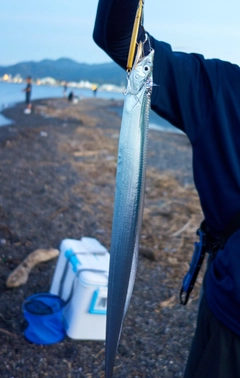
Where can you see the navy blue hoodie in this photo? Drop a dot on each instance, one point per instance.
(202, 98)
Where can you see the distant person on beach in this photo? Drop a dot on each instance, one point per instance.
(200, 97)
(28, 91)
(65, 90)
(94, 88)
(71, 96)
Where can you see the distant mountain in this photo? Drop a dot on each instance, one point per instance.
(69, 70)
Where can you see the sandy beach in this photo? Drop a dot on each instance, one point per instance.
(57, 171)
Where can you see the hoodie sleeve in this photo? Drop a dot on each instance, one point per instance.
(185, 85)
(113, 28)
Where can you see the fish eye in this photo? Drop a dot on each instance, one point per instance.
(146, 68)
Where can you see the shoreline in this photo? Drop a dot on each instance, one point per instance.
(57, 169)
(5, 121)
(155, 123)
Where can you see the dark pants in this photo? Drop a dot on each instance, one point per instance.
(215, 351)
(28, 95)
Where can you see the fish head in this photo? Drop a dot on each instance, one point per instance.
(141, 74)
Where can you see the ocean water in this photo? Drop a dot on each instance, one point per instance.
(11, 94)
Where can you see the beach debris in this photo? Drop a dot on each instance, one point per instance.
(148, 253)
(20, 275)
(59, 211)
(89, 153)
(170, 302)
(7, 332)
(43, 134)
(178, 232)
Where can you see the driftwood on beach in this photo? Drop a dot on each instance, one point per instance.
(20, 275)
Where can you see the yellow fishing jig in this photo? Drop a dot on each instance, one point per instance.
(133, 42)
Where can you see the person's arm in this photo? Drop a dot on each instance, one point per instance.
(184, 84)
(113, 28)
(186, 88)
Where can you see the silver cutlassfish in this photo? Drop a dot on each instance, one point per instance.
(129, 199)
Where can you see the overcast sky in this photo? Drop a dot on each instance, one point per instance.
(40, 29)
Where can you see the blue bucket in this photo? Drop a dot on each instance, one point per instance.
(43, 313)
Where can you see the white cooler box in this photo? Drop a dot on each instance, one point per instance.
(81, 279)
